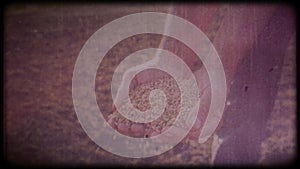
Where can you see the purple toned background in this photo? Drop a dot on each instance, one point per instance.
(256, 43)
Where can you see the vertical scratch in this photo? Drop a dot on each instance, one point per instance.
(254, 28)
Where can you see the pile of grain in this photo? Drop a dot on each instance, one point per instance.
(188, 151)
(139, 99)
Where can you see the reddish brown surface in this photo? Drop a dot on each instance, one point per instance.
(254, 91)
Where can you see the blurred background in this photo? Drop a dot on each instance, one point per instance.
(256, 43)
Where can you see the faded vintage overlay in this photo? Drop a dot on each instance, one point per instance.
(255, 42)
